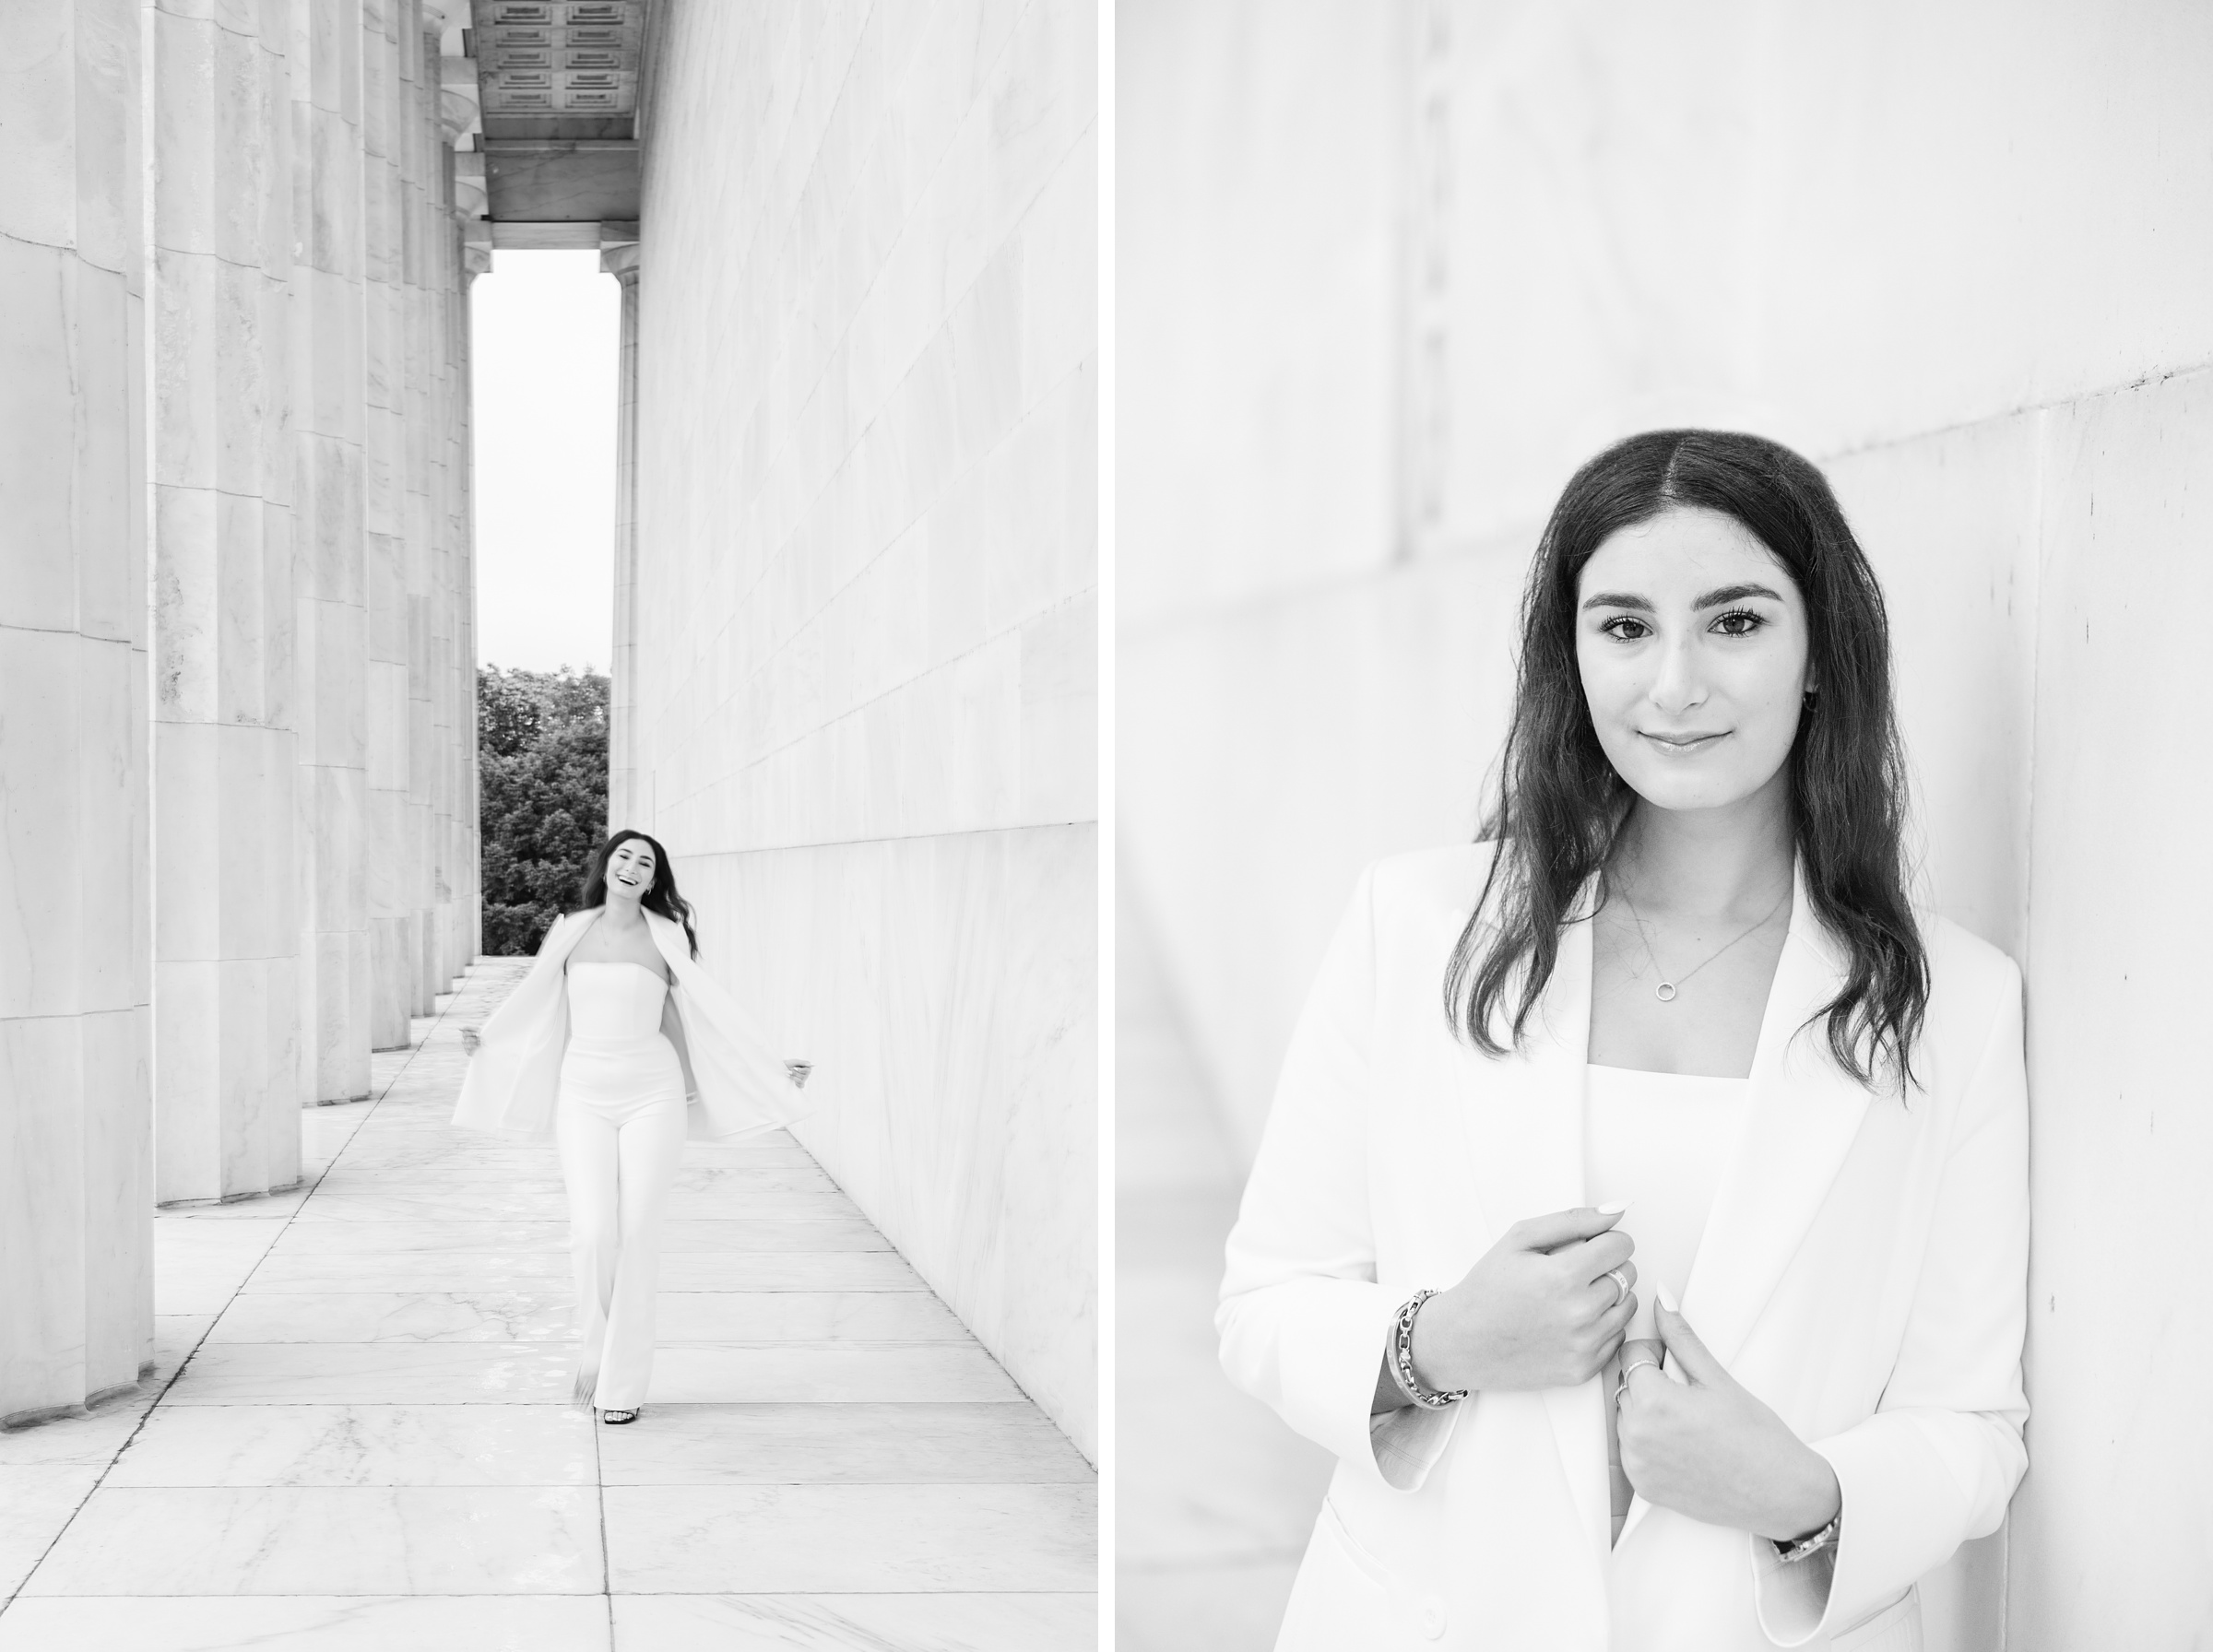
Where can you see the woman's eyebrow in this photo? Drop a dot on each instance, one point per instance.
(1712, 599)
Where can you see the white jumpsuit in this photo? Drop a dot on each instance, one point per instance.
(619, 1127)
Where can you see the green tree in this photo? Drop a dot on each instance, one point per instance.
(541, 749)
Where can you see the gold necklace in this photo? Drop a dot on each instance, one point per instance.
(1665, 991)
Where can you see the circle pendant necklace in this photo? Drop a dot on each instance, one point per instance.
(1666, 990)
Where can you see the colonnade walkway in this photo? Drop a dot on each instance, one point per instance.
(358, 1435)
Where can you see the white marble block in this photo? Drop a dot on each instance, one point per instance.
(75, 1269)
(226, 1075)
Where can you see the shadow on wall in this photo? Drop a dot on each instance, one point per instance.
(1216, 1494)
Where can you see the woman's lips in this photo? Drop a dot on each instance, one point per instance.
(1682, 742)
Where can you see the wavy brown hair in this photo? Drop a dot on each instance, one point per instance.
(1559, 806)
(661, 897)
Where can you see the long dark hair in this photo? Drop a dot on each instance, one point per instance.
(1559, 804)
(661, 897)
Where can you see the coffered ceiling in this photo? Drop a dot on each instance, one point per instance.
(557, 81)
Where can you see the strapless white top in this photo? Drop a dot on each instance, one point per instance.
(619, 1062)
(614, 1000)
(1660, 1140)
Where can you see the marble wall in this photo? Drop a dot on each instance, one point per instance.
(75, 945)
(861, 695)
(1387, 276)
(206, 399)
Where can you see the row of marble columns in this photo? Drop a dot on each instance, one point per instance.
(237, 692)
(623, 805)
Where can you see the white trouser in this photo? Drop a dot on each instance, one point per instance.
(618, 1175)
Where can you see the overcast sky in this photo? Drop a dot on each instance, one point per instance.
(547, 329)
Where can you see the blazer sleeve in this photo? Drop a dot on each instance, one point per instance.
(1303, 1321)
(518, 1006)
(1939, 1460)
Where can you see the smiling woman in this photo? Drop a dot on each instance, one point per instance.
(620, 1048)
(1695, 1041)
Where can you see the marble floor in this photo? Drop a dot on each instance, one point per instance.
(358, 1437)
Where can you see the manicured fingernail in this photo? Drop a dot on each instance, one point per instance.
(1667, 1297)
(1616, 1209)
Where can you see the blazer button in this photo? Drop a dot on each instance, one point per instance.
(1432, 1619)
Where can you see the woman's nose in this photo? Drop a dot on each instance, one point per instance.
(1679, 684)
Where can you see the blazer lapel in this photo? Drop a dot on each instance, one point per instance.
(1804, 1112)
(1525, 1139)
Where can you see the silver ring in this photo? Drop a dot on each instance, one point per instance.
(1620, 1284)
(1637, 1363)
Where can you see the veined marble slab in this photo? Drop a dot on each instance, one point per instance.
(542, 1174)
(399, 1143)
(858, 1443)
(806, 1316)
(477, 1201)
(199, 1266)
(376, 1373)
(834, 1540)
(720, 1201)
(308, 1624)
(692, 1234)
(490, 1314)
(309, 1237)
(941, 1623)
(410, 1270)
(694, 1371)
(687, 1270)
(495, 1202)
(35, 1504)
(328, 1541)
(788, 1270)
(360, 1446)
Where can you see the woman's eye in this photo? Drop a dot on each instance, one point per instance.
(1625, 628)
(1738, 622)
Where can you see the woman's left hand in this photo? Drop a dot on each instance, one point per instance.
(1707, 1448)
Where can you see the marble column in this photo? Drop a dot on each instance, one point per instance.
(420, 400)
(75, 985)
(621, 262)
(453, 683)
(384, 122)
(476, 260)
(329, 364)
(227, 1050)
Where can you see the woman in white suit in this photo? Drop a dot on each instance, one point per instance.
(618, 1047)
(1674, 1031)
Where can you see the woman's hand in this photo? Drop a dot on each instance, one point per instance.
(1707, 1448)
(1537, 1310)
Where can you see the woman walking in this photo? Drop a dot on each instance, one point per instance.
(618, 1047)
(1674, 1029)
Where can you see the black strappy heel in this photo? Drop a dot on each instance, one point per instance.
(629, 1416)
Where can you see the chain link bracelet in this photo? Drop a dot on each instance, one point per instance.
(1402, 1358)
(1809, 1545)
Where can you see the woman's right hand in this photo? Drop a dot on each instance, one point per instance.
(1537, 1310)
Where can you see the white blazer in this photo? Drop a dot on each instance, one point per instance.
(513, 1077)
(1863, 1272)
